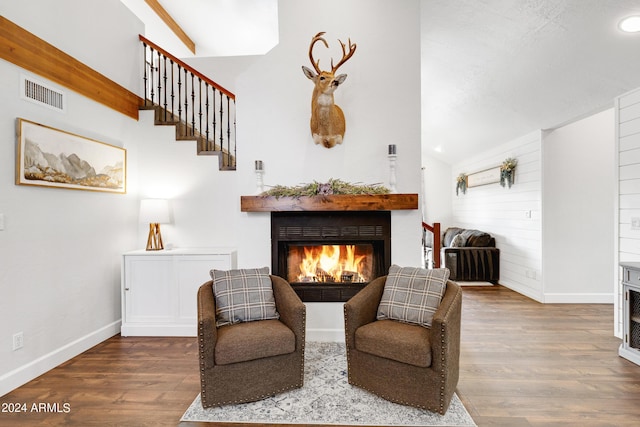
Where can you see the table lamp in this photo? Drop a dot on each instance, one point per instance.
(154, 212)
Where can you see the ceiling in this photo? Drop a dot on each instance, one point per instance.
(492, 70)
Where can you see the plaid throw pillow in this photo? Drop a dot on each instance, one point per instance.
(412, 295)
(243, 296)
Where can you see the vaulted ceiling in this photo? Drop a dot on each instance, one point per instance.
(492, 70)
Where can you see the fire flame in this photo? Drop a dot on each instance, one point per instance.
(329, 263)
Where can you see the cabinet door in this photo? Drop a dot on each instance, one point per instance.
(192, 271)
(148, 289)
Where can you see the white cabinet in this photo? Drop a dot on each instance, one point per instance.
(159, 288)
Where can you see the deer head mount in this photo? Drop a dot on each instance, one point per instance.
(327, 119)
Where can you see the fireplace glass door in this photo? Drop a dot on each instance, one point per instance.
(330, 263)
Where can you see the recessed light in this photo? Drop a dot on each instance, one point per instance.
(630, 24)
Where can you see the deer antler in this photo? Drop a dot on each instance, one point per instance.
(345, 55)
(317, 37)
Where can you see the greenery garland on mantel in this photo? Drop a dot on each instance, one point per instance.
(333, 186)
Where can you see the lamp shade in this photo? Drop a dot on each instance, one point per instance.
(154, 211)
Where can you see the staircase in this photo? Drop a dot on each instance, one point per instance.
(200, 109)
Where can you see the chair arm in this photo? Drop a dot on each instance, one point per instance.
(291, 309)
(362, 308)
(207, 331)
(445, 330)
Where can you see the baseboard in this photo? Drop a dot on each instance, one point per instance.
(573, 298)
(22, 375)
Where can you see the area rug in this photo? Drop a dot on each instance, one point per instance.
(327, 398)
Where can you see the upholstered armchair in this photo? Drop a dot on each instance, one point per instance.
(401, 362)
(250, 360)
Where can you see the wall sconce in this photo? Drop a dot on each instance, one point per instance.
(259, 174)
(392, 168)
(154, 212)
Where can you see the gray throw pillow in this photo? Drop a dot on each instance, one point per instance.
(243, 295)
(459, 241)
(412, 295)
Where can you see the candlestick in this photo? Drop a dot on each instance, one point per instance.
(259, 173)
(392, 168)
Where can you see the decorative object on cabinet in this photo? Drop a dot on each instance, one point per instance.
(159, 288)
(630, 347)
(154, 212)
(49, 157)
(461, 184)
(508, 171)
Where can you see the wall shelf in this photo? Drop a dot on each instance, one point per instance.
(334, 202)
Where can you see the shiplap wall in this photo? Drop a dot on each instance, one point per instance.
(628, 207)
(512, 215)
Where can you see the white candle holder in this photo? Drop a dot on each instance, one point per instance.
(259, 168)
(392, 168)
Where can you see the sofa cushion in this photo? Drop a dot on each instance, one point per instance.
(449, 234)
(458, 241)
(412, 295)
(243, 295)
(397, 341)
(253, 340)
(477, 239)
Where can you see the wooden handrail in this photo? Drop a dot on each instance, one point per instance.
(186, 66)
(435, 229)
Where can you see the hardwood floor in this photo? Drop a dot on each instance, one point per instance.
(522, 364)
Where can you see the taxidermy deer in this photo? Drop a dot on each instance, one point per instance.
(327, 119)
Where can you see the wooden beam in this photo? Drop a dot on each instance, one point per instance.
(336, 202)
(172, 24)
(30, 52)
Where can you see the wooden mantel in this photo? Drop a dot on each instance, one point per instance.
(335, 202)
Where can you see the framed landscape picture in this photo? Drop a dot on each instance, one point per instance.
(49, 157)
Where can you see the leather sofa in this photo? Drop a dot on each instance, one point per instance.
(470, 255)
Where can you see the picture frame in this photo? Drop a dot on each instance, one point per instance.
(487, 176)
(49, 157)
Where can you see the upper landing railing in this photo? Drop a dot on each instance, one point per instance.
(200, 108)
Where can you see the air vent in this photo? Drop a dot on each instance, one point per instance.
(42, 94)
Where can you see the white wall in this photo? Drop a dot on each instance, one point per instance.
(439, 190)
(578, 175)
(511, 215)
(627, 243)
(60, 249)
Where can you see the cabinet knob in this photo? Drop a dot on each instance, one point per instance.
(126, 289)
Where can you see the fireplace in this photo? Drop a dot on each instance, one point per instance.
(330, 256)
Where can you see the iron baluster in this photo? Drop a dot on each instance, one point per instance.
(213, 113)
(206, 133)
(193, 104)
(228, 131)
(200, 110)
(172, 93)
(186, 102)
(151, 73)
(145, 66)
(159, 81)
(179, 93)
(221, 121)
(165, 86)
